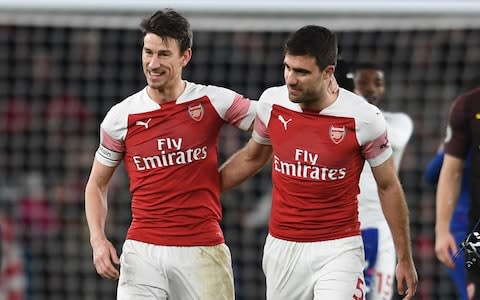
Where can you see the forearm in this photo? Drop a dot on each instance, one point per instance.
(96, 210)
(237, 169)
(446, 197)
(244, 164)
(396, 212)
(96, 199)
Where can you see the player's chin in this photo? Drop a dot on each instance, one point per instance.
(154, 84)
(372, 100)
(294, 98)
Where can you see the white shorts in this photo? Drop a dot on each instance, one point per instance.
(319, 270)
(175, 273)
(381, 268)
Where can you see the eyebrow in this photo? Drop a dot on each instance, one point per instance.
(302, 70)
(162, 51)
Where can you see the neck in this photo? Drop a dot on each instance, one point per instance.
(321, 103)
(166, 93)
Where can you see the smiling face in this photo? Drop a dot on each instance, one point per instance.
(163, 62)
(306, 83)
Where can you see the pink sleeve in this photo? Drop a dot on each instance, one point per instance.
(110, 152)
(378, 150)
(241, 113)
(110, 143)
(260, 132)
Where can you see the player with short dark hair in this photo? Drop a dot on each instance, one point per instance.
(462, 136)
(369, 82)
(320, 141)
(167, 137)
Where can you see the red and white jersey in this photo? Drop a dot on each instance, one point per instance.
(317, 160)
(170, 152)
(400, 129)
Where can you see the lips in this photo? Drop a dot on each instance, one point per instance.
(156, 74)
(293, 90)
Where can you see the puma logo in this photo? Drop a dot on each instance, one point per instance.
(281, 119)
(141, 123)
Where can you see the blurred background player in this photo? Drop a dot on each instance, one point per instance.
(12, 276)
(462, 136)
(369, 82)
(459, 224)
(167, 137)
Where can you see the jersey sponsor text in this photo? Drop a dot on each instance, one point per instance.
(165, 159)
(305, 167)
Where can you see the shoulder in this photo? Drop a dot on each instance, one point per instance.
(354, 104)
(470, 96)
(399, 120)
(463, 107)
(399, 129)
(130, 105)
(466, 100)
(350, 105)
(399, 117)
(369, 121)
(277, 95)
(116, 119)
(214, 93)
(274, 93)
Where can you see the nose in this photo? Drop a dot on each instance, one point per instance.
(154, 62)
(290, 78)
(370, 88)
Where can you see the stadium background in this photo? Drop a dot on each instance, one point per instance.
(63, 65)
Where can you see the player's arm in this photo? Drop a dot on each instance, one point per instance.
(244, 163)
(448, 190)
(104, 254)
(396, 212)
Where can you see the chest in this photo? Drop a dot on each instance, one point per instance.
(312, 138)
(173, 127)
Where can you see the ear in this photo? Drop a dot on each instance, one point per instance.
(333, 85)
(186, 56)
(329, 71)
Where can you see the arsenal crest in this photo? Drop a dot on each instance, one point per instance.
(196, 112)
(337, 134)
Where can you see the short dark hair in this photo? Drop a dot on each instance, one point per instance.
(366, 65)
(315, 41)
(169, 23)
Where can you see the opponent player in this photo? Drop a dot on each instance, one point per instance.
(463, 135)
(459, 225)
(320, 141)
(369, 82)
(166, 135)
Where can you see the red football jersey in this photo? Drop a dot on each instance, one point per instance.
(170, 152)
(317, 161)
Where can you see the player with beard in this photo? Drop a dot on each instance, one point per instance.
(319, 142)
